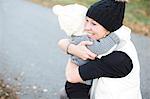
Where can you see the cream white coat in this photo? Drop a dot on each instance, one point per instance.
(120, 88)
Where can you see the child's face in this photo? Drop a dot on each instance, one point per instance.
(95, 30)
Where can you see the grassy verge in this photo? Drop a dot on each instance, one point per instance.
(137, 15)
(49, 3)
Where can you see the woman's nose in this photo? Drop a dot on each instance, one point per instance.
(87, 27)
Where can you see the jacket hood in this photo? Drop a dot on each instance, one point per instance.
(124, 33)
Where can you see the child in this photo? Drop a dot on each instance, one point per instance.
(72, 19)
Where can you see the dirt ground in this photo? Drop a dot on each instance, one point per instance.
(139, 28)
(7, 91)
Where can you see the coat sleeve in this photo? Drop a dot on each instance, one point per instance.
(115, 65)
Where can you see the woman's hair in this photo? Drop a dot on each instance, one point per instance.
(108, 13)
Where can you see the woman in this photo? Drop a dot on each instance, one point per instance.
(73, 25)
(118, 72)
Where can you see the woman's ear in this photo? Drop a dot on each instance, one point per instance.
(107, 33)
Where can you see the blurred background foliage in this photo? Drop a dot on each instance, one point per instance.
(137, 15)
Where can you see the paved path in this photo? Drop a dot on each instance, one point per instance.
(30, 58)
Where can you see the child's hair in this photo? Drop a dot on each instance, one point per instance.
(71, 18)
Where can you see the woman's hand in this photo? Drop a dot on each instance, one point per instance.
(82, 51)
(79, 50)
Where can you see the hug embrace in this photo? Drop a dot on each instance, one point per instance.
(103, 61)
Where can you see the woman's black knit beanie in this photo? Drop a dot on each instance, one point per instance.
(108, 13)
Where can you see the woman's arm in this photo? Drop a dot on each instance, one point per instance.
(115, 65)
(79, 50)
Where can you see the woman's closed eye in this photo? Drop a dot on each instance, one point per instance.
(93, 23)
